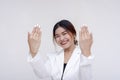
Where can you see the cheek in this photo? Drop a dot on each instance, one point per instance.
(57, 40)
(69, 37)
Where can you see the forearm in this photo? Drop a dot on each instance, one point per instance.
(86, 52)
(38, 64)
(86, 60)
(86, 72)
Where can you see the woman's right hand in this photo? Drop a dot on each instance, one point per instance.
(34, 40)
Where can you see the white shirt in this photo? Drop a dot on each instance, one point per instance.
(51, 67)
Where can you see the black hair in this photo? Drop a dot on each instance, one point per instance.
(67, 25)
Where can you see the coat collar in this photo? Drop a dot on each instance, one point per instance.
(73, 59)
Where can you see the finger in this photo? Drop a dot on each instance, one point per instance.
(82, 34)
(34, 29)
(86, 33)
(39, 32)
(91, 36)
(38, 26)
(35, 36)
(28, 35)
(84, 25)
(38, 29)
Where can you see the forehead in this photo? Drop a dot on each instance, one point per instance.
(59, 30)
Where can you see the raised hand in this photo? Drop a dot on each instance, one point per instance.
(34, 40)
(85, 41)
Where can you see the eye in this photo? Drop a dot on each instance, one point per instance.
(57, 36)
(64, 33)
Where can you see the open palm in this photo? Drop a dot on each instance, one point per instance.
(34, 39)
(85, 41)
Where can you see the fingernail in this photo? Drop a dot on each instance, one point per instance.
(37, 24)
(34, 25)
(85, 25)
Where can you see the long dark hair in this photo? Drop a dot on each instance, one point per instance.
(67, 25)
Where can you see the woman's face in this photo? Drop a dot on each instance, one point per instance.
(64, 38)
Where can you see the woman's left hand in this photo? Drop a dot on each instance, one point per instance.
(85, 41)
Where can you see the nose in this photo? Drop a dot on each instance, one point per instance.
(61, 38)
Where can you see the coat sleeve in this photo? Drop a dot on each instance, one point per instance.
(40, 65)
(86, 60)
(86, 67)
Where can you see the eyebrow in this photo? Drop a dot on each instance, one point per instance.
(62, 32)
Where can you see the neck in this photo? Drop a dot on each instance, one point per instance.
(70, 49)
(68, 52)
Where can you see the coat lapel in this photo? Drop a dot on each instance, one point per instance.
(73, 59)
(59, 63)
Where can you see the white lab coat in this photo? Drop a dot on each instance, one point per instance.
(51, 68)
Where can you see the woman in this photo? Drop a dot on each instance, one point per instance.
(71, 63)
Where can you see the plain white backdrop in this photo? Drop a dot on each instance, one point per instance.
(17, 17)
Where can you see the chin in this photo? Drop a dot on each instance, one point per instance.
(65, 46)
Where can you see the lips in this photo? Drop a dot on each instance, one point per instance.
(64, 42)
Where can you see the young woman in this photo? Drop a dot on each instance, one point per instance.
(73, 62)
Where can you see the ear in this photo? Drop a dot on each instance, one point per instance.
(75, 41)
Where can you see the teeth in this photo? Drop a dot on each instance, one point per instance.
(63, 43)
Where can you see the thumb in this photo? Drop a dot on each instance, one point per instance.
(91, 36)
(28, 35)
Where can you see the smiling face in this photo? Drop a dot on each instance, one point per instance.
(64, 34)
(64, 38)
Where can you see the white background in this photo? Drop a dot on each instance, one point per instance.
(17, 17)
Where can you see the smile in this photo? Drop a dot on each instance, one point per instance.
(64, 42)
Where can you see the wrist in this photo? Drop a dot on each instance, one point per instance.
(86, 53)
(33, 53)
